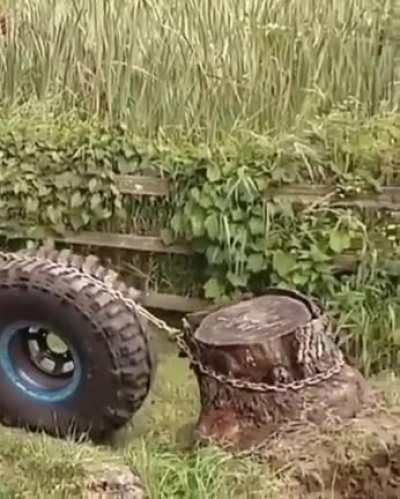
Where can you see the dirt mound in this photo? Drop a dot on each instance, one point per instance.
(376, 478)
(356, 460)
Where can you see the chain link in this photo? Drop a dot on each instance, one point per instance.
(242, 384)
(179, 336)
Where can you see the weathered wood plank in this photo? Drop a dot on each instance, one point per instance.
(142, 185)
(189, 305)
(388, 198)
(172, 302)
(149, 244)
(153, 244)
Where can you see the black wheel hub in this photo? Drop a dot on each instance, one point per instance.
(48, 352)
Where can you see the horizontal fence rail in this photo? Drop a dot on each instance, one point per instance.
(172, 302)
(387, 198)
(142, 186)
(149, 244)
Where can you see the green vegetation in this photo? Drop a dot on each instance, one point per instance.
(158, 447)
(200, 68)
(59, 175)
(226, 100)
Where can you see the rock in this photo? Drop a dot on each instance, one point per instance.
(106, 481)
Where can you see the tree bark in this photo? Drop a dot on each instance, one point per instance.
(281, 344)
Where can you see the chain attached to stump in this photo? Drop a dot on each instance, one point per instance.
(308, 337)
(315, 328)
(180, 336)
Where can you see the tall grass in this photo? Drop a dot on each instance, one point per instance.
(193, 65)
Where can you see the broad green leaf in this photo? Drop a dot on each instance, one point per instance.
(212, 226)
(205, 201)
(256, 263)
(283, 263)
(76, 222)
(222, 203)
(197, 223)
(118, 204)
(62, 180)
(317, 255)
(238, 215)
(63, 197)
(238, 280)
(258, 244)
(213, 172)
(125, 166)
(56, 157)
(92, 184)
(189, 208)
(195, 194)
(299, 279)
(85, 217)
(32, 205)
(177, 223)
(257, 226)
(129, 153)
(76, 200)
(36, 232)
(53, 214)
(43, 190)
(339, 241)
(21, 187)
(213, 288)
(95, 201)
(214, 255)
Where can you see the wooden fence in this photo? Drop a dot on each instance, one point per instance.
(388, 198)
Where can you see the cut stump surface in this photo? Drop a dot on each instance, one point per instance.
(254, 320)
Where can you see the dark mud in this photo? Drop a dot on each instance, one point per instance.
(377, 477)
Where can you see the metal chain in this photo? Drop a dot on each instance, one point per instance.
(179, 336)
(257, 450)
(260, 448)
(242, 384)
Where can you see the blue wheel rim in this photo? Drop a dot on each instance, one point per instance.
(26, 378)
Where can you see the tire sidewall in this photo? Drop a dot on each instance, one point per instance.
(96, 360)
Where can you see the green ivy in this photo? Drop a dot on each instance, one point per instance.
(60, 176)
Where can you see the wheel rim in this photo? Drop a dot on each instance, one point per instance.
(39, 361)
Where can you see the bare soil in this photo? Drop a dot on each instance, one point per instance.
(356, 460)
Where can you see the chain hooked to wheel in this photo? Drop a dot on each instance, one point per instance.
(184, 340)
(58, 273)
(74, 357)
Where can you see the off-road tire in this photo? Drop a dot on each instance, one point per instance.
(113, 349)
(89, 264)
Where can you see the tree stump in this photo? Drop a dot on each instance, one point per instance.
(266, 362)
